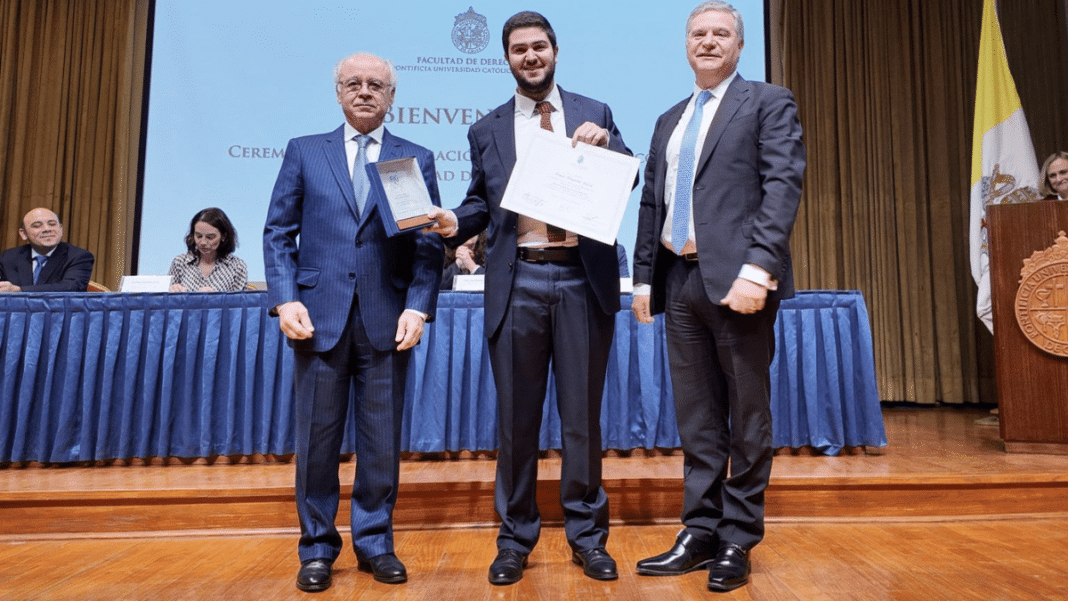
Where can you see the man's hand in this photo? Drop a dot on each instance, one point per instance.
(465, 258)
(409, 330)
(641, 308)
(178, 288)
(9, 287)
(445, 224)
(294, 320)
(590, 133)
(745, 297)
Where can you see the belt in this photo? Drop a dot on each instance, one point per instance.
(554, 254)
(691, 257)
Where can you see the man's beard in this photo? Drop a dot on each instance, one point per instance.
(532, 88)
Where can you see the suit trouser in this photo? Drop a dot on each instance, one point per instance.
(720, 372)
(552, 315)
(323, 382)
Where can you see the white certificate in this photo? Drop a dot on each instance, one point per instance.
(583, 189)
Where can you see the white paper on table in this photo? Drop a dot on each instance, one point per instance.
(583, 189)
(145, 283)
(469, 282)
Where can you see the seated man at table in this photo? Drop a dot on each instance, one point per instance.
(45, 263)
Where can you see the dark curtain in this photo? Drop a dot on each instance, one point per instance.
(886, 92)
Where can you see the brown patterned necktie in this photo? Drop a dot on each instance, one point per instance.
(555, 234)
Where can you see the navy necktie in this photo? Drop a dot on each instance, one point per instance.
(680, 220)
(360, 183)
(40, 265)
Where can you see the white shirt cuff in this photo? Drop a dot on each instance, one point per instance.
(757, 275)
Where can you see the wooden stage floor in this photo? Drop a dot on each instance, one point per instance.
(941, 513)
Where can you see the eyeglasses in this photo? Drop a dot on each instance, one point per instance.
(354, 85)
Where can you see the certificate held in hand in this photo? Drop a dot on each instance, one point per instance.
(407, 200)
(582, 189)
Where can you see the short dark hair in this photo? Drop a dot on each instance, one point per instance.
(527, 18)
(218, 220)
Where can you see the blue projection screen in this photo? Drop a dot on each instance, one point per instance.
(232, 81)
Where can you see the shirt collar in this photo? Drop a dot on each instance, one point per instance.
(524, 105)
(34, 254)
(720, 89)
(376, 133)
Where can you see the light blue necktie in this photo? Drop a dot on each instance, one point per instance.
(40, 265)
(360, 183)
(680, 220)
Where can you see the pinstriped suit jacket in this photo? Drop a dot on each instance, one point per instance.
(317, 251)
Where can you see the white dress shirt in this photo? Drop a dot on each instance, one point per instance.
(531, 232)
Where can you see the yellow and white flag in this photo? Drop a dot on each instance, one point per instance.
(1004, 169)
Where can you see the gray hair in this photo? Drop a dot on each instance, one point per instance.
(385, 61)
(718, 5)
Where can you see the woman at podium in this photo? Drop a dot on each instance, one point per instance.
(1055, 177)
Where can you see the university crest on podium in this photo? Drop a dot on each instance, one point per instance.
(1042, 298)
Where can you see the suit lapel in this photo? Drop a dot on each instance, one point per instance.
(662, 136)
(24, 267)
(334, 148)
(573, 116)
(59, 257)
(503, 128)
(736, 95)
(391, 149)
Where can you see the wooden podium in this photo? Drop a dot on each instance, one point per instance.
(1032, 383)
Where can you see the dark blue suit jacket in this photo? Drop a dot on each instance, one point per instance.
(747, 187)
(492, 141)
(337, 254)
(67, 270)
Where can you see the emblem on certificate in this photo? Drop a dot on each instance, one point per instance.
(399, 182)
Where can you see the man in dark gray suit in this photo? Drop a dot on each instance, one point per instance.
(550, 295)
(45, 263)
(352, 302)
(722, 186)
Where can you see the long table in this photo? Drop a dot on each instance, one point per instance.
(91, 376)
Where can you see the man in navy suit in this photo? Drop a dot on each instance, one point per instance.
(352, 302)
(722, 186)
(550, 294)
(45, 263)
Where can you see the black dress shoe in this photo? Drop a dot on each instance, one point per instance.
(507, 568)
(386, 568)
(314, 575)
(689, 553)
(596, 563)
(729, 570)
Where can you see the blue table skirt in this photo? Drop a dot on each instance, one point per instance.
(88, 377)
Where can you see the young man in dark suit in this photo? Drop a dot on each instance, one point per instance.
(550, 294)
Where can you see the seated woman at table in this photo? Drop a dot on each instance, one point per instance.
(210, 265)
(1055, 177)
(468, 258)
